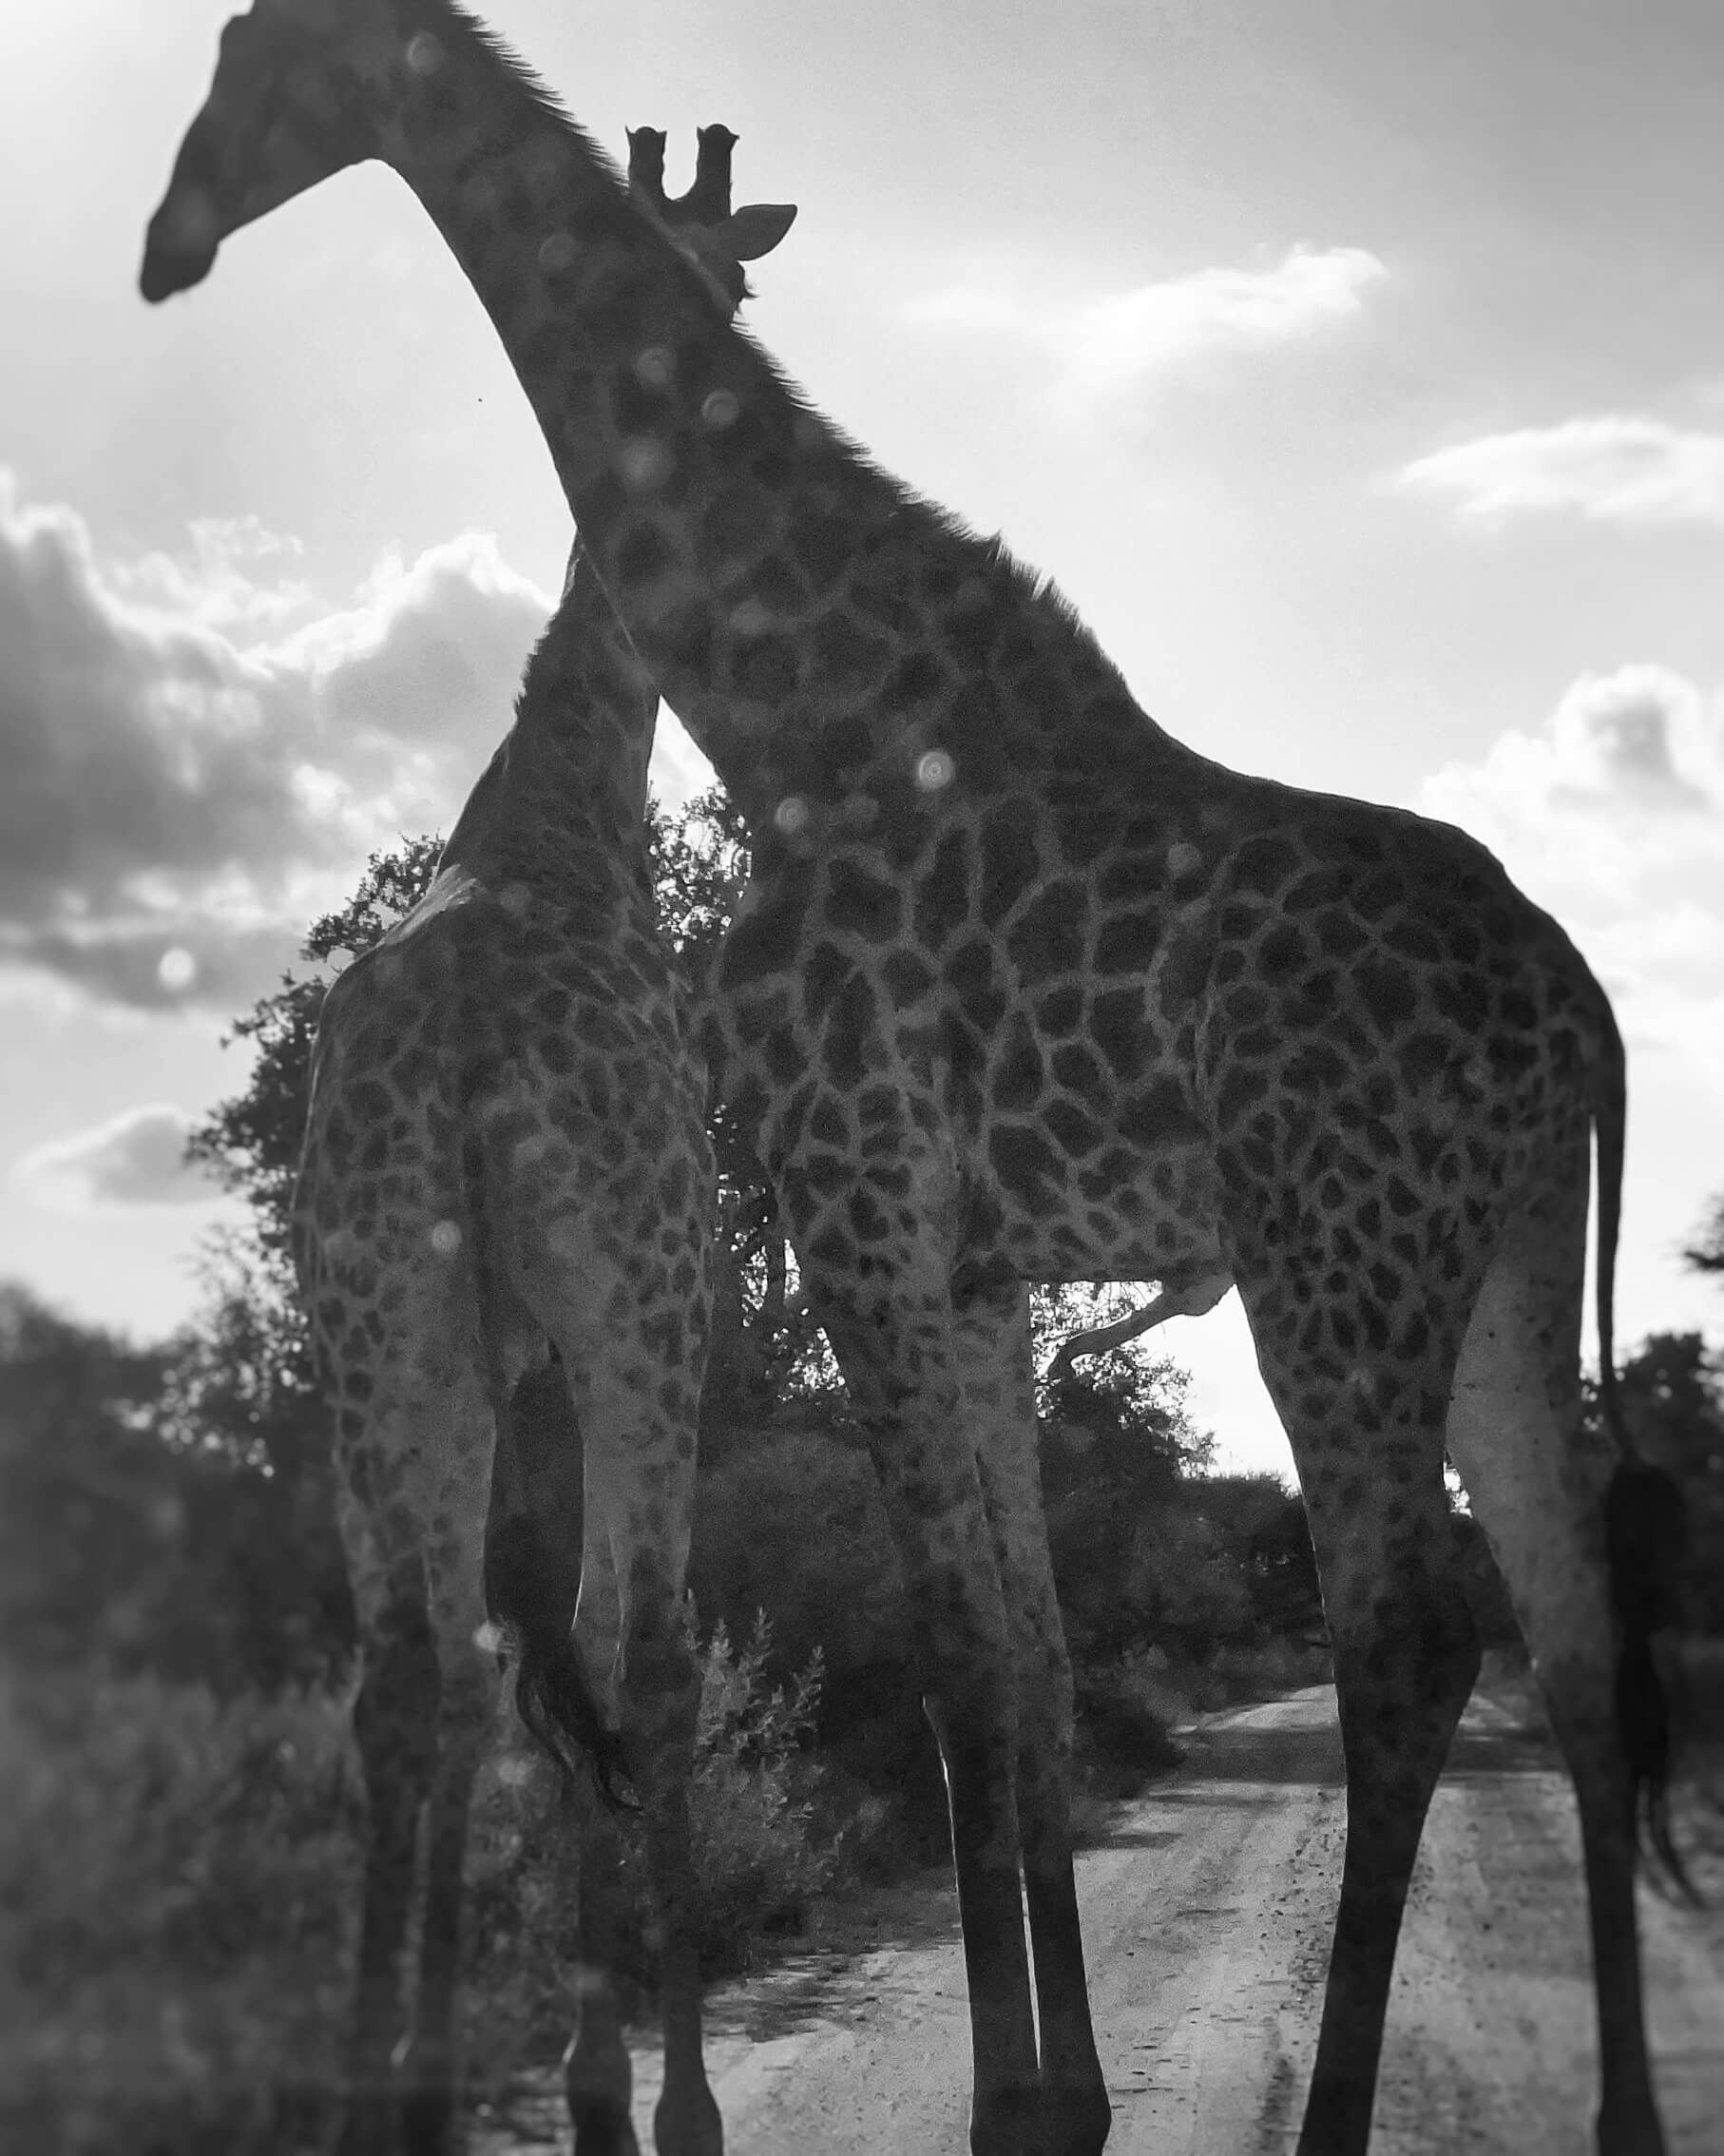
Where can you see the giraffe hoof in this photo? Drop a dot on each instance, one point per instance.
(1008, 2122)
(366, 2127)
(428, 2124)
(1077, 2117)
(602, 2130)
(687, 2123)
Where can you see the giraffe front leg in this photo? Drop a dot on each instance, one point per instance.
(889, 1318)
(995, 1346)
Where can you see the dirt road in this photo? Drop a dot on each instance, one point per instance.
(1206, 1916)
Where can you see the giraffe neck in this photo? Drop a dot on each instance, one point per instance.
(814, 626)
(565, 792)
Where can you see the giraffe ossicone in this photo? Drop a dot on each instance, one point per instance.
(1095, 1007)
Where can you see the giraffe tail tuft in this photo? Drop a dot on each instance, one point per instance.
(530, 1592)
(555, 1701)
(1645, 1524)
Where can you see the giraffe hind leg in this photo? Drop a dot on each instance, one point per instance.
(394, 1726)
(632, 1343)
(1537, 1484)
(632, 1623)
(1367, 1437)
(429, 2067)
(414, 1462)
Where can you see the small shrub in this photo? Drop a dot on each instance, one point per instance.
(1125, 1714)
(175, 1880)
(757, 1856)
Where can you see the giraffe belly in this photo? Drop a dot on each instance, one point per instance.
(1129, 1215)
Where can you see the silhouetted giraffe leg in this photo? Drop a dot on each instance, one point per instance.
(429, 2074)
(891, 1325)
(395, 1724)
(1536, 1483)
(636, 1403)
(994, 1344)
(1366, 1435)
(598, 2078)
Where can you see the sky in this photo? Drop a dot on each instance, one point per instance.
(1356, 366)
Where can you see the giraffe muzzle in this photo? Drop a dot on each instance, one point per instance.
(179, 248)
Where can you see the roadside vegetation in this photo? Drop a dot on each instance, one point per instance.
(181, 1813)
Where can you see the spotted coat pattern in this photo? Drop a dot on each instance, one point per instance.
(1023, 987)
(507, 1149)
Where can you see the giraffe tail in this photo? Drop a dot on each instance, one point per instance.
(1645, 1517)
(556, 1703)
(526, 1591)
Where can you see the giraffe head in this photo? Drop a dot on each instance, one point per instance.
(293, 100)
(305, 87)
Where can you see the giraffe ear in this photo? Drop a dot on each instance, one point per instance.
(753, 231)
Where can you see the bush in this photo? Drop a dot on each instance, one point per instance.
(180, 1880)
(175, 1875)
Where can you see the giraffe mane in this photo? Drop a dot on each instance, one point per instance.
(450, 16)
(461, 25)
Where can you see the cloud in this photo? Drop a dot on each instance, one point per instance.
(1110, 345)
(216, 584)
(192, 764)
(426, 647)
(1612, 815)
(1616, 469)
(1634, 758)
(136, 1157)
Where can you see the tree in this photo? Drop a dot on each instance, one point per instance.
(1706, 1254)
(698, 863)
(252, 1140)
(133, 1536)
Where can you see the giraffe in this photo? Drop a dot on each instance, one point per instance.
(1023, 987)
(507, 1149)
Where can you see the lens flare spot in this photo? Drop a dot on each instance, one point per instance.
(177, 970)
(643, 463)
(1182, 859)
(423, 53)
(445, 1238)
(655, 366)
(934, 770)
(752, 618)
(489, 1638)
(791, 814)
(720, 410)
(190, 223)
(556, 251)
